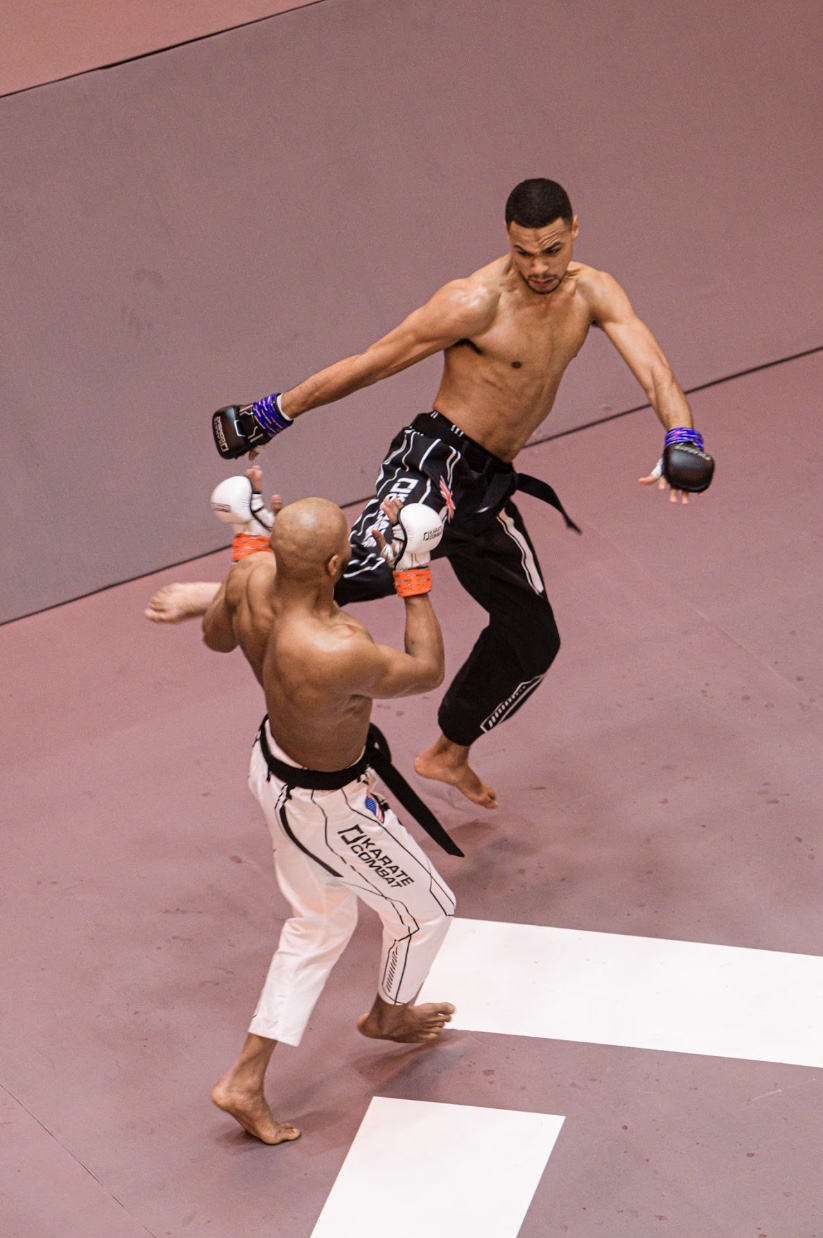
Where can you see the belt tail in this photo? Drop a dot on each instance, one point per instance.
(539, 489)
(379, 756)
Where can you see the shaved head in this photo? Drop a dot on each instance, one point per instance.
(306, 535)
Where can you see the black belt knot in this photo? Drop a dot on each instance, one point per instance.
(377, 756)
(503, 481)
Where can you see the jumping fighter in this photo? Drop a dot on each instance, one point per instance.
(507, 333)
(335, 840)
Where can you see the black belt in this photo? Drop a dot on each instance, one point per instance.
(503, 481)
(377, 756)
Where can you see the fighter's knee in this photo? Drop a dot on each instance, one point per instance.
(550, 644)
(539, 643)
(440, 915)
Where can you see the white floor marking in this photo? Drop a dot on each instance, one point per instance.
(422, 1170)
(640, 992)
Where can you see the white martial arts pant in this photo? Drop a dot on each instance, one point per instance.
(331, 848)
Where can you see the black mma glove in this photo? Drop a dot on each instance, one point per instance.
(685, 464)
(240, 428)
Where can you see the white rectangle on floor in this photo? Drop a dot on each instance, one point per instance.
(641, 992)
(422, 1170)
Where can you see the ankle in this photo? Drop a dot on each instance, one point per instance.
(448, 748)
(384, 1014)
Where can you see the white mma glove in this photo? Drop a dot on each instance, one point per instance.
(259, 511)
(415, 535)
(235, 502)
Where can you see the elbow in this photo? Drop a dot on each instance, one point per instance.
(217, 641)
(437, 676)
(209, 642)
(425, 680)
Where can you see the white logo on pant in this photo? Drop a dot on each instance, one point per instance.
(401, 488)
(505, 707)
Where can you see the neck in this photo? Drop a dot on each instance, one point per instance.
(312, 596)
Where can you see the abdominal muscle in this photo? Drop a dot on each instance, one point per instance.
(501, 385)
(501, 415)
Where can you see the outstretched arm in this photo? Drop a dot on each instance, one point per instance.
(612, 310)
(455, 311)
(460, 309)
(684, 465)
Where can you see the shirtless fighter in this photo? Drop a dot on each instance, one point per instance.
(335, 840)
(507, 332)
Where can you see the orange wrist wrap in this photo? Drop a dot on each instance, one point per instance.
(247, 544)
(412, 581)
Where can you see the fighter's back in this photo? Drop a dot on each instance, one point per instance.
(303, 658)
(319, 667)
(309, 669)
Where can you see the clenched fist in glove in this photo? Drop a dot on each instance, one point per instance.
(685, 464)
(415, 532)
(240, 428)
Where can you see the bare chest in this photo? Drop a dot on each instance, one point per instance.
(535, 339)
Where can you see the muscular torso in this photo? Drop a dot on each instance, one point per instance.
(501, 384)
(293, 654)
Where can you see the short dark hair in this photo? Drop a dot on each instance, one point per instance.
(538, 202)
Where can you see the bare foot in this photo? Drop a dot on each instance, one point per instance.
(251, 1110)
(409, 1025)
(176, 602)
(448, 762)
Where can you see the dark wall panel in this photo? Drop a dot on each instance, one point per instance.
(222, 218)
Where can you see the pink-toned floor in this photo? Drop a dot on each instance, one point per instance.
(665, 782)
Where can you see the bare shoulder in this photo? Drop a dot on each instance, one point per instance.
(600, 291)
(255, 571)
(342, 654)
(471, 301)
(342, 640)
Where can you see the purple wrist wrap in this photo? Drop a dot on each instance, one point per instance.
(268, 415)
(684, 435)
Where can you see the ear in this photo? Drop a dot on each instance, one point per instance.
(333, 566)
(575, 227)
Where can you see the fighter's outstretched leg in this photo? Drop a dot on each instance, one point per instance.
(409, 1025)
(448, 762)
(182, 600)
(240, 1093)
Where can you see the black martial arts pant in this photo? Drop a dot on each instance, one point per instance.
(486, 542)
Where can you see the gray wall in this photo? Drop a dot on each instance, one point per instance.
(222, 218)
(44, 40)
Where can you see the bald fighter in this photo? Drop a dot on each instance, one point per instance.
(508, 333)
(335, 840)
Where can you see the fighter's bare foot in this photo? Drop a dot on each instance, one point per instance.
(174, 603)
(408, 1025)
(448, 762)
(251, 1110)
